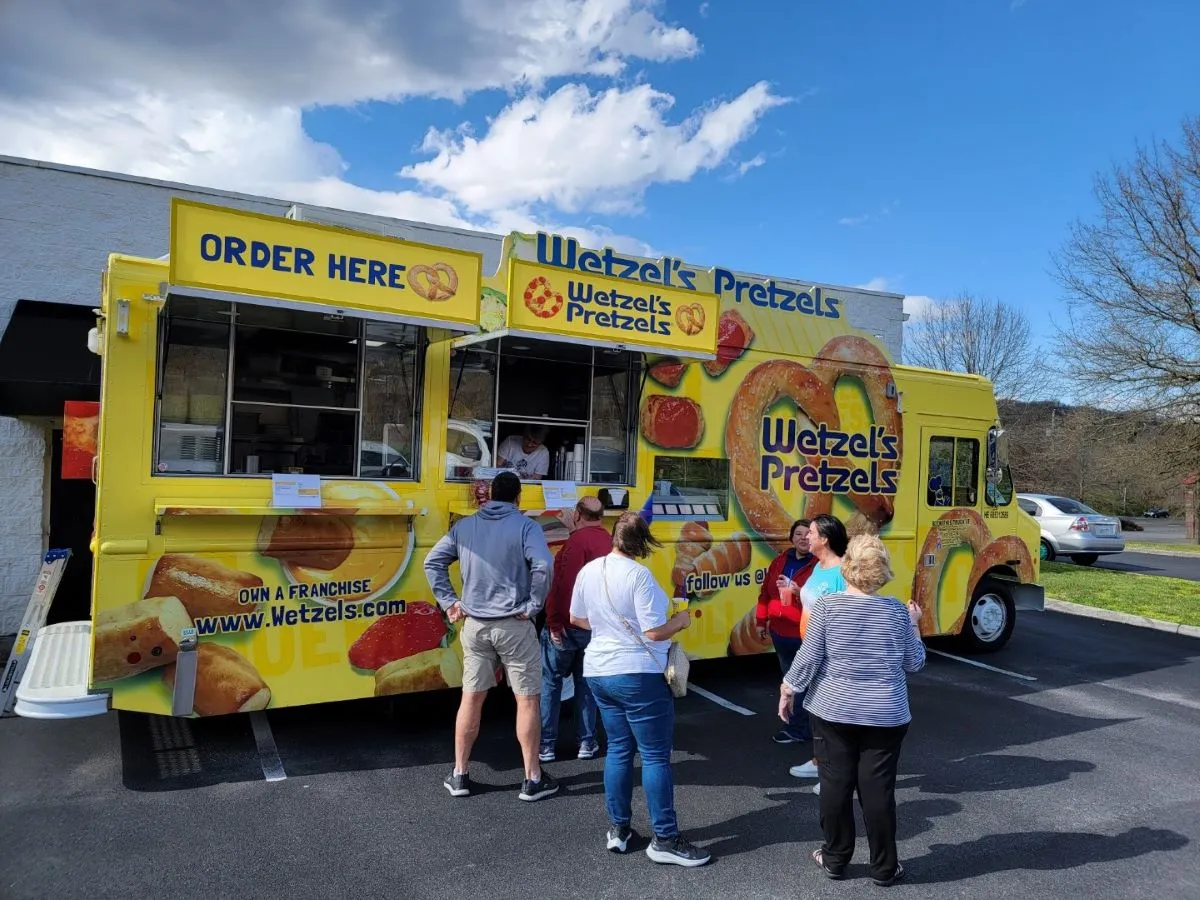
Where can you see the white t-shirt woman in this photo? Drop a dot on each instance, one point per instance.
(613, 649)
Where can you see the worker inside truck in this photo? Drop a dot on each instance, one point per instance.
(568, 409)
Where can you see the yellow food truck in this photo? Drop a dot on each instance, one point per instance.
(293, 413)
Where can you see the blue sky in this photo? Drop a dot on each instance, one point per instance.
(924, 147)
(939, 146)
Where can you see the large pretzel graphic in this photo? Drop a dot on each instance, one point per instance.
(936, 550)
(849, 356)
(436, 282)
(767, 384)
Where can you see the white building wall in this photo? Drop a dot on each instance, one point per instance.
(57, 227)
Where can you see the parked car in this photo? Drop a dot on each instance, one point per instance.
(1157, 512)
(1071, 528)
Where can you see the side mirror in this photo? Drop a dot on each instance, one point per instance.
(1001, 447)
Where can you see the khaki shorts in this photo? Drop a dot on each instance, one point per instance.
(512, 643)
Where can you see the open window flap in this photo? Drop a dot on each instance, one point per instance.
(501, 333)
(451, 329)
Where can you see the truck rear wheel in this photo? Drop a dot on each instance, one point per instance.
(990, 617)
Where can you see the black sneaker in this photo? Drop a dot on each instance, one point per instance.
(458, 785)
(677, 851)
(888, 882)
(535, 790)
(618, 838)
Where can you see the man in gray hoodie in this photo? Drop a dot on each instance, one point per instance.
(505, 565)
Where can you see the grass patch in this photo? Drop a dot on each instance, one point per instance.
(1169, 599)
(1151, 545)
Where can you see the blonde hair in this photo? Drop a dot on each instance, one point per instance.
(866, 564)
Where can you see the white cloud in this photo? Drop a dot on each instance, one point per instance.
(752, 163)
(855, 221)
(918, 306)
(214, 95)
(314, 52)
(576, 150)
(704, 10)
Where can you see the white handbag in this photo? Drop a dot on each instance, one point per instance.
(678, 665)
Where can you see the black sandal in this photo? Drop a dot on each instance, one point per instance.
(888, 882)
(819, 858)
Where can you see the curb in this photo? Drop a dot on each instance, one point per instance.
(1178, 554)
(1108, 615)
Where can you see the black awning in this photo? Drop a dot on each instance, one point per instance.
(45, 361)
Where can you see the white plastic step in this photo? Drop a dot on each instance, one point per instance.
(55, 683)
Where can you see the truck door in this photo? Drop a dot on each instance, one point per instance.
(951, 485)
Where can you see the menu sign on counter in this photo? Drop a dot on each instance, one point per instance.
(234, 252)
(290, 491)
(560, 494)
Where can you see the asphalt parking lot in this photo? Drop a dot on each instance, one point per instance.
(1186, 567)
(1082, 782)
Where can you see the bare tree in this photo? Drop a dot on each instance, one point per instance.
(1132, 278)
(979, 337)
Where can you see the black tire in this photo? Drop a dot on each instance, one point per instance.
(990, 618)
(1084, 559)
(1047, 551)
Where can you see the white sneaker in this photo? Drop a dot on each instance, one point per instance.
(808, 770)
(817, 789)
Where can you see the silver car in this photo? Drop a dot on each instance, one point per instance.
(1071, 528)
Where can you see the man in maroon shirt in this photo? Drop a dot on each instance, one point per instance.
(562, 643)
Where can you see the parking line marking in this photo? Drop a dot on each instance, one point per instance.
(268, 753)
(971, 662)
(721, 701)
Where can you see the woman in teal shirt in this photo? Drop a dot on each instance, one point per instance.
(827, 541)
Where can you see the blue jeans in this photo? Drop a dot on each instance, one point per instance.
(786, 649)
(556, 665)
(638, 712)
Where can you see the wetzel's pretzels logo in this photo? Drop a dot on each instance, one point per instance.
(757, 444)
(436, 282)
(541, 299)
(690, 318)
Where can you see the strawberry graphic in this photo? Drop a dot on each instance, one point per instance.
(420, 627)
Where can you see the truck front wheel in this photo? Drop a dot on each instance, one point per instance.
(990, 618)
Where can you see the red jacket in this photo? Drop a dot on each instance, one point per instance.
(585, 544)
(770, 612)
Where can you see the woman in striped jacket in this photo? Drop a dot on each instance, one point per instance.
(856, 651)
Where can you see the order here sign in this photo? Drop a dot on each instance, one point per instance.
(231, 251)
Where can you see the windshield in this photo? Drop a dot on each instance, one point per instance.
(1071, 507)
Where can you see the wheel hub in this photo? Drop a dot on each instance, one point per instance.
(989, 618)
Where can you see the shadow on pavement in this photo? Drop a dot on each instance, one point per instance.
(1037, 850)
(160, 753)
(987, 772)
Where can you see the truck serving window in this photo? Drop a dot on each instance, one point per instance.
(953, 472)
(549, 409)
(252, 390)
(686, 487)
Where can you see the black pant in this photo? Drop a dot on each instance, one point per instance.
(862, 758)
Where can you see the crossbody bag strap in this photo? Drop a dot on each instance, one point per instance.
(640, 638)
